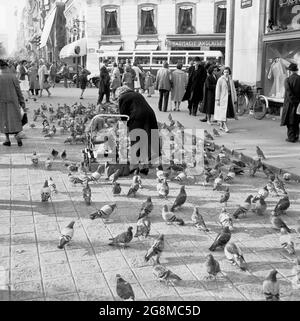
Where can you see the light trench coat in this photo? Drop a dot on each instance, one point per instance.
(222, 98)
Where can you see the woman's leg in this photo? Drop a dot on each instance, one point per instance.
(178, 108)
(175, 106)
(19, 140)
(49, 93)
(7, 141)
(41, 92)
(82, 91)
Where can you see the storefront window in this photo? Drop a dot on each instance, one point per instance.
(147, 21)
(111, 22)
(279, 55)
(185, 22)
(221, 12)
(283, 15)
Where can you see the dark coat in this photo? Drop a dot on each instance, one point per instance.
(209, 95)
(11, 99)
(141, 115)
(194, 90)
(104, 79)
(291, 100)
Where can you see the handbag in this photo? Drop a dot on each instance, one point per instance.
(298, 109)
(24, 119)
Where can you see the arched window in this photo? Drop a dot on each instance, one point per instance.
(147, 19)
(220, 14)
(186, 18)
(110, 24)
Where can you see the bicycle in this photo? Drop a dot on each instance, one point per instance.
(242, 100)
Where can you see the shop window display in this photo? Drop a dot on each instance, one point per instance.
(283, 15)
(279, 55)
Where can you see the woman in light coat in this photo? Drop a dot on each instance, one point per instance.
(179, 84)
(42, 72)
(138, 72)
(226, 100)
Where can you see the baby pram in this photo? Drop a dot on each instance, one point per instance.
(103, 142)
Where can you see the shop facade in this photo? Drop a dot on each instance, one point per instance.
(262, 59)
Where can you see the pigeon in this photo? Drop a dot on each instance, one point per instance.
(239, 163)
(32, 125)
(104, 212)
(278, 223)
(268, 172)
(286, 241)
(137, 179)
(254, 166)
(287, 177)
(271, 287)
(63, 155)
(48, 163)
(114, 177)
(97, 174)
(124, 289)
(75, 179)
(237, 170)
(34, 159)
(160, 174)
(260, 206)
(243, 208)
(133, 190)
(45, 192)
(170, 118)
(180, 199)
(229, 177)
(66, 235)
(225, 197)
(218, 182)
(87, 193)
(296, 273)
(116, 190)
(123, 238)
(260, 153)
(52, 185)
(156, 249)
(225, 220)
(216, 133)
(181, 177)
(198, 220)
(163, 274)
(212, 266)
(72, 167)
(234, 254)
(282, 205)
(143, 227)
(170, 217)
(54, 153)
(208, 135)
(263, 192)
(279, 185)
(146, 208)
(162, 188)
(222, 239)
(271, 188)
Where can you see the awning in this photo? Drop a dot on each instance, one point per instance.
(77, 48)
(47, 28)
(150, 47)
(110, 48)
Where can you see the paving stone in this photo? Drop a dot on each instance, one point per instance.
(53, 257)
(63, 297)
(57, 270)
(59, 286)
(87, 281)
(25, 273)
(26, 290)
(92, 294)
(85, 267)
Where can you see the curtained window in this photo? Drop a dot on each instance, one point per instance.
(111, 22)
(221, 18)
(185, 20)
(147, 21)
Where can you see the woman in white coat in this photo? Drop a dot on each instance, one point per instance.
(226, 99)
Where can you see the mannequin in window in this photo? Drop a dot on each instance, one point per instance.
(279, 74)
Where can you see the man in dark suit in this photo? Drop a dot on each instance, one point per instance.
(194, 92)
(291, 102)
(104, 84)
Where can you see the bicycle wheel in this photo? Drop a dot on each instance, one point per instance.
(260, 107)
(242, 104)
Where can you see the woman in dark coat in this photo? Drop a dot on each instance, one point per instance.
(11, 99)
(210, 93)
(141, 116)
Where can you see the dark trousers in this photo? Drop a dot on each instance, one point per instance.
(36, 91)
(194, 108)
(106, 92)
(163, 99)
(293, 131)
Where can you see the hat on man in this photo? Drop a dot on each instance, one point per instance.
(293, 67)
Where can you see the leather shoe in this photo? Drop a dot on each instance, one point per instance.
(204, 120)
(7, 144)
(290, 141)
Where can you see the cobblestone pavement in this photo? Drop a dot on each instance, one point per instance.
(33, 268)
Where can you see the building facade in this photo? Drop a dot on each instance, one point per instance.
(266, 41)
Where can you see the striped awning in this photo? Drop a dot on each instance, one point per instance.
(77, 48)
(47, 28)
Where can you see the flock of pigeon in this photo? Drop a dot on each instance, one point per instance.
(220, 171)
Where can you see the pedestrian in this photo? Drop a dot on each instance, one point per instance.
(149, 83)
(141, 116)
(115, 80)
(83, 78)
(163, 84)
(65, 73)
(194, 91)
(11, 102)
(22, 75)
(104, 84)
(226, 99)
(138, 72)
(290, 118)
(128, 79)
(34, 86)
(186, 96)
(142, 78)
(52, 73)
(43, 75)
(210, 94)
(179, 84)
(121, 69)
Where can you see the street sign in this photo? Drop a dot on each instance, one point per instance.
(246, 4)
